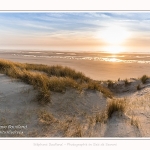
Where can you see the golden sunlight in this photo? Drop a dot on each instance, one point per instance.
(114, 35)
(113, 59)
(114, 49)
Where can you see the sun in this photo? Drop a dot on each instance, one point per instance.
(113, 37)
(114, 49)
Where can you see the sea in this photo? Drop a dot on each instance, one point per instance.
(143, 58)
(96, 65)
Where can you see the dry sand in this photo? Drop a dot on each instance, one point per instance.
(18, 107)
(73, 112)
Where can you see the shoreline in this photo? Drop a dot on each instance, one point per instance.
(97, 70)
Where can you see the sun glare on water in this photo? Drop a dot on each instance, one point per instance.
(114, 36)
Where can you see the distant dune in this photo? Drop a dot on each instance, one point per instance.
(55, 101)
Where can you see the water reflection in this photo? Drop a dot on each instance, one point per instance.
(99, 57)
(112, 59)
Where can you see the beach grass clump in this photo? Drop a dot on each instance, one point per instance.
(138, 87)
(115, 105)
(46, 118)
(144, 78)
(106, 92)
(42, 82)
(96, 86)
(4, 65)
(110, 84)
(59, 84)
(101, 117)
(93, 86)
(50, 78)
(58, 71)
(77, 131)
(43, 96)
(126, 82)
(37, 80)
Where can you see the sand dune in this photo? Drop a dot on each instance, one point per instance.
(56, 101)
(72, 113)
(19, 108)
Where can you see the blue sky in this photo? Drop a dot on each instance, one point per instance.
(75, 30)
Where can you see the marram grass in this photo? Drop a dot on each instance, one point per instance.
(115, 105)
(50, 78)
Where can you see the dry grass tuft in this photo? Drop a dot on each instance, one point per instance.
(93, 85)
(72, 128)
(98, 118)
(138, 87)
(110, 84)
(115, 105)
(135, 122)
(59, 84)
(58, 71)
(77, 132)
(144, 78)
(54, 78)
(96, 86)
(126, 82)
(46, 118)
(101, 117)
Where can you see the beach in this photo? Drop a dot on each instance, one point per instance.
(98, 66)
(110, 99)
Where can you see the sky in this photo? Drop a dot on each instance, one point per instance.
(76, 31)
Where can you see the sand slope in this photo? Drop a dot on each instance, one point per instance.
(71, 114)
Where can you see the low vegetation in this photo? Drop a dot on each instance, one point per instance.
(46, 79)
(115, 105)
(135, 122)
(110, 84)
(101, 117)
(126, 82)
(92, 85)
(50, 78)
(46, 118)
(138, 87)
(58, 71)
(144, 78)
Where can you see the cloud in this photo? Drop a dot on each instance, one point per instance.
(70, 28)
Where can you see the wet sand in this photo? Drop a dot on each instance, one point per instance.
(97, 70)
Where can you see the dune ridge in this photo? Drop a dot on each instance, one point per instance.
(55, 101)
